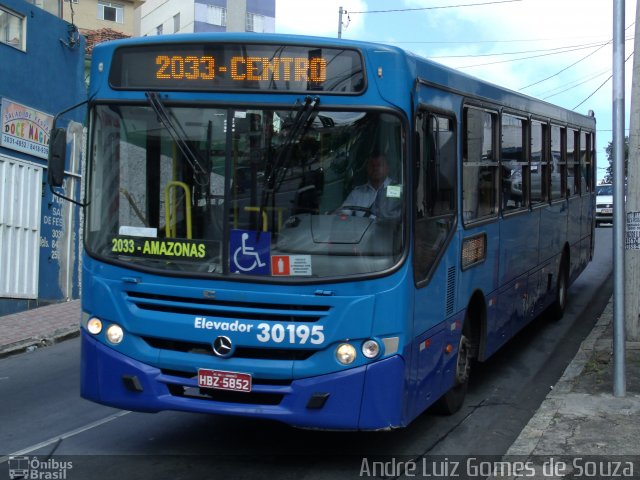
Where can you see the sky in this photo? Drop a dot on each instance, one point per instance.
(555, 50)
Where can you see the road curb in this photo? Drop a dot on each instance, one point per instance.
(532, 433)
(31, 344)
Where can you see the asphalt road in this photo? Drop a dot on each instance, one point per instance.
(42, 415)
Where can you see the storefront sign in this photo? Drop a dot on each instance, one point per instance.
(25, 129)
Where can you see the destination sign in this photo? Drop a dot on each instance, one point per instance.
(223, 67)
(159, 248)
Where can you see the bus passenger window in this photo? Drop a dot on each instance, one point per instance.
(557, 166)
(514, 165)
(573, 164)
(480, 165)
(585, 163)
(539, 165)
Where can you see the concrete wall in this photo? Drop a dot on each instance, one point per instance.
(193, 15)
(161, 12)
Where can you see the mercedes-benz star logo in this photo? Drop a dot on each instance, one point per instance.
(222, 346)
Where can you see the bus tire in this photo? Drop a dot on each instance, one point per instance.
(453, 399)
(562, 291)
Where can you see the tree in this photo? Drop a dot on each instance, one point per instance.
(608, 178)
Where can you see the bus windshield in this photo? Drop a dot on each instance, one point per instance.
(303, 192)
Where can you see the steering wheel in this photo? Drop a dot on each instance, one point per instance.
(354, 208)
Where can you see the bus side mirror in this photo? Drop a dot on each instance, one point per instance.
(57, 155)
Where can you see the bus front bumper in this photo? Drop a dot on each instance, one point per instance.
(368, 397)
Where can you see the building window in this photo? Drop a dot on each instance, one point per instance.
(216, 15)
(12, 29)
(159, 30)
(176, 23)
(111, 12)
(255, 23)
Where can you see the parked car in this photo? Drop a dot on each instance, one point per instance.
(604, 204)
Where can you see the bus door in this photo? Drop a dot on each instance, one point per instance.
(435, 257)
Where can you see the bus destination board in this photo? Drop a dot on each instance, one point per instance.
(224, 67)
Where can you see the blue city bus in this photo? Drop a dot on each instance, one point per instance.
(322, 232)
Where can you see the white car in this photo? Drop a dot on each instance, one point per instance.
(604, 204)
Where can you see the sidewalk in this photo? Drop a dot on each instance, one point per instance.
(580, 415)
(39, 327)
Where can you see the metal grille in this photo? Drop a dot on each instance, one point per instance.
(20, 197)
(229, 309)
(451, 283)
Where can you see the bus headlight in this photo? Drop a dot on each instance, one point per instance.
(345, 353)
(115, 334)
(94, 326)
(370, 349)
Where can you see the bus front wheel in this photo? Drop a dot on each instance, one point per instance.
(452, 400)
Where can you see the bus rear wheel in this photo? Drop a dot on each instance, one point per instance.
(562, 289)
(453, 400)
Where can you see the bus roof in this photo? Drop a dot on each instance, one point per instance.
(428, 72)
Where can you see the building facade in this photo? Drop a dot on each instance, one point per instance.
(98, 14)
(158, 17)
(41, 74)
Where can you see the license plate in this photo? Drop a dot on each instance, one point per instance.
(221, 380)
(607, 210)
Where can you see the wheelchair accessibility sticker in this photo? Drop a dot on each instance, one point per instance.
(250, 252)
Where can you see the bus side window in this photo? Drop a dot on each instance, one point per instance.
(435, 208)
(480, 165)
(539, 165)
(514, 165)
(586, 185)
(573, 163)
(558, 165)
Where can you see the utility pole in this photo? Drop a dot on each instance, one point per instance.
(340, 12)
(619, 382)
(632, 239)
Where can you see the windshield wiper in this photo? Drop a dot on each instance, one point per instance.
(178, 136)
(304, 118)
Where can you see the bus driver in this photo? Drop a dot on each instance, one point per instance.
(379, 197)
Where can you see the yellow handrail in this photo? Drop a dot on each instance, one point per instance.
(170, 229)
(265, 220)
(265, 217)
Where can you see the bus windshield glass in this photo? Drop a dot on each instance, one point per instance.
(304, 192)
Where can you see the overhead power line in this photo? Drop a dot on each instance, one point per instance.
(568, 48)
(601, 85)
(465, 42)
(523, 58)
(572, 85)
(567, 68)
(573, 64)
(436, 8)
